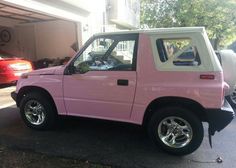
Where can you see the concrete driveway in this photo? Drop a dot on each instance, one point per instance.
(110, 143)
(5, 98)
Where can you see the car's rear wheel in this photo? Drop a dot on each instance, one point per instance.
(176, 130)
(232, 99)
(37, 111)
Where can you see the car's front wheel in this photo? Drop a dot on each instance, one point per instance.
(37, 111)
(176, 130)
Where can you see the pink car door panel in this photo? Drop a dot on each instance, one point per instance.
(104, 79)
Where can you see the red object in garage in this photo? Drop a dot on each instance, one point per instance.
(11, 68)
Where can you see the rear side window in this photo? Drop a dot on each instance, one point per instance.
(181, 52)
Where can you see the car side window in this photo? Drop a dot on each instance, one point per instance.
(107, 54)
(181, 52)
(121, 57)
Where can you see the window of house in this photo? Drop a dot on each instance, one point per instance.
(181, 52)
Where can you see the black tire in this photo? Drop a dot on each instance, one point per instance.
(181, 113)
(50, 114)
(231, 102)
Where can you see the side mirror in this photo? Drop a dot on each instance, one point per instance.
(83, 68)
(71, 69)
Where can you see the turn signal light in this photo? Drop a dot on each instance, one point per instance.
(24, 76)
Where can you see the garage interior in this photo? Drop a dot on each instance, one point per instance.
(36, 36)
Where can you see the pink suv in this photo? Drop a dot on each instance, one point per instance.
(168, 80)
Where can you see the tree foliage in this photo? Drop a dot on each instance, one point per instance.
(217, 16)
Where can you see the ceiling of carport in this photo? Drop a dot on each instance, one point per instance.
(23, 15)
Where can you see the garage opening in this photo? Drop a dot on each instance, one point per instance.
(45, 40)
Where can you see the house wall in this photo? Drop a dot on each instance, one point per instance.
(8, 22)
(42, 40)
(25, 42)
(53, 39)
(11, 46)
(124, 13)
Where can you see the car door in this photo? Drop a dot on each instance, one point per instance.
(102, 79)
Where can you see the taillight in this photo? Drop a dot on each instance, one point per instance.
(20, 66)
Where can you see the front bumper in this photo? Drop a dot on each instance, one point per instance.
(218, 119)
(14, 95)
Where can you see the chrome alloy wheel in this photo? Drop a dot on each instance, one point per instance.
(233, 96)
(175, 132)
(34, 112)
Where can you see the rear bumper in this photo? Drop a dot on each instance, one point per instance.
(218, 119)
(11, 76)
(8, 78)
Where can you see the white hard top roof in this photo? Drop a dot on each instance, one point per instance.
(157, 30)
